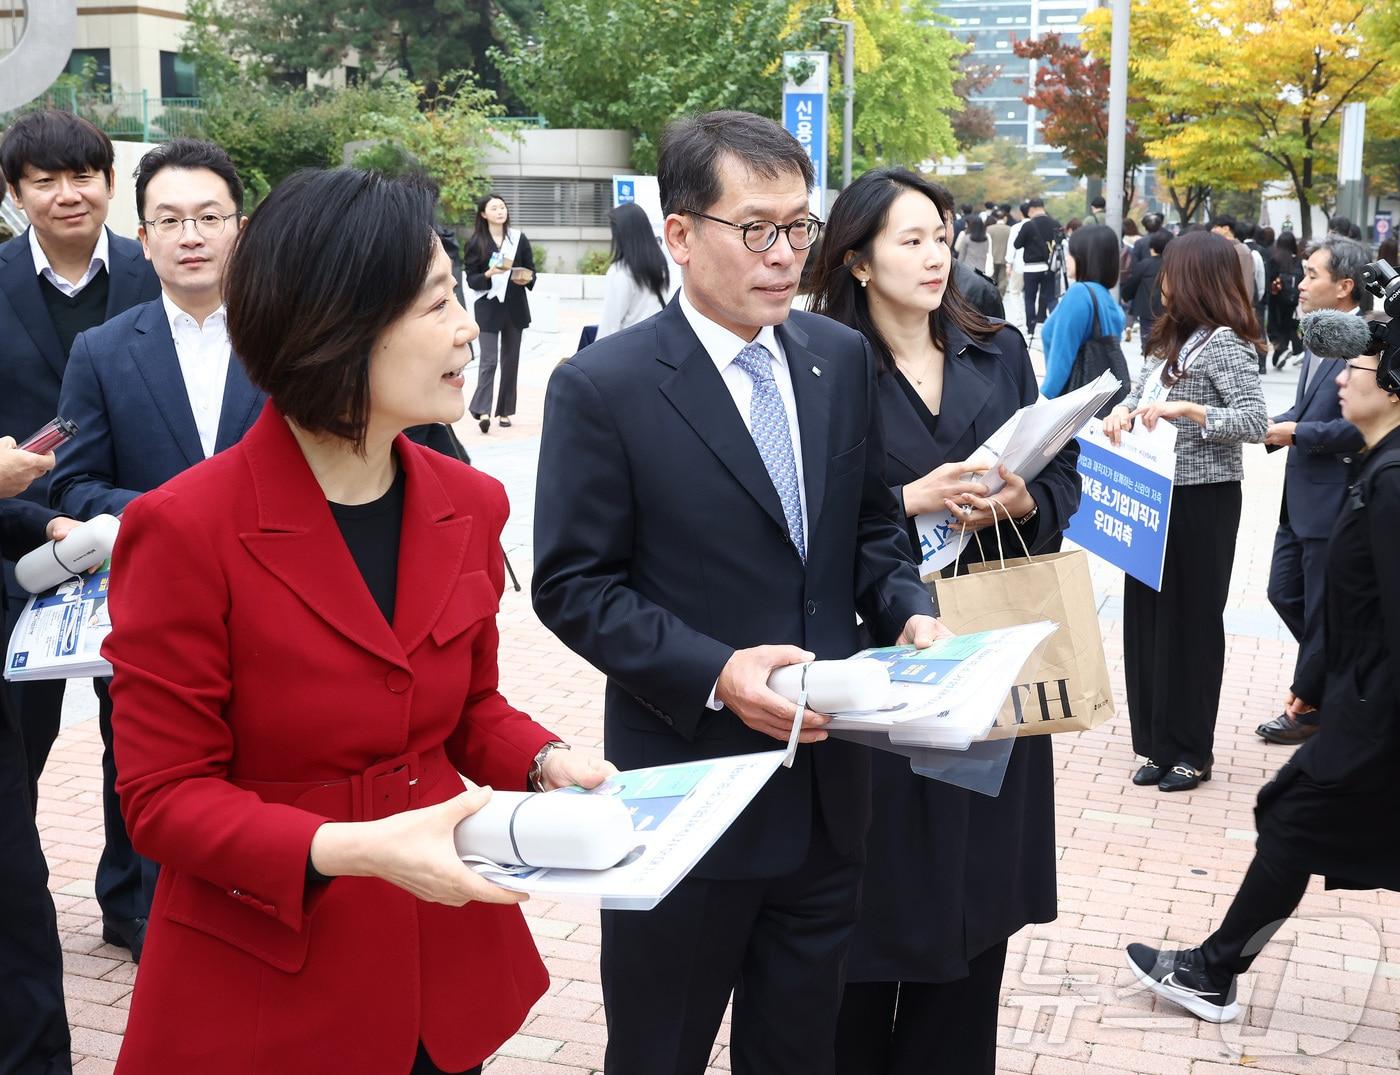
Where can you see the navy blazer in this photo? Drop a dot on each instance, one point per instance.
(136, 429)
(661, 548)
(984, 383)
(1316, 475)
(34, 361)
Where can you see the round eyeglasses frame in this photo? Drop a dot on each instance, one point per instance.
(760, 235)
(206, 225)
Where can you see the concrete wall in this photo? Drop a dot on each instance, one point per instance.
(136, 37)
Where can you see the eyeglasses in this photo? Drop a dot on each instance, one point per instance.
(760, 235)
(1362, 369)
(206, 225)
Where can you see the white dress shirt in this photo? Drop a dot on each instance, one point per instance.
(67, 287)
(203, 351)
(723, 347)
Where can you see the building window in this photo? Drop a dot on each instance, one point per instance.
(101, 64)
(541, 202)
(177, 78)
(352, 75)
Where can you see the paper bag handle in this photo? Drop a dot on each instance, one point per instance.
(1001, 553)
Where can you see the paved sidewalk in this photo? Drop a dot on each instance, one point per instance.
(1134, 864)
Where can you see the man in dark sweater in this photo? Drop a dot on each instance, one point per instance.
(1036, 240)
(67, 273)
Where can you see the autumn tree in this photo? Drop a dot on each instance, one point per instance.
(1071, 95)
(975, 124)
(999, 171)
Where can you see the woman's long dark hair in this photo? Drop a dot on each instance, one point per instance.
(635, 248)
(1285, 251)
(858, 216)
(976, 229)
(1202, 288)
(481, 243)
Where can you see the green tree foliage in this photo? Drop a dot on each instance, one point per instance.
(419, 40)
(998, 171)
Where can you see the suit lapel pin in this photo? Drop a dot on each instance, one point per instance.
(817, 371)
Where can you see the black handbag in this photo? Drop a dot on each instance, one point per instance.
(1097, 354)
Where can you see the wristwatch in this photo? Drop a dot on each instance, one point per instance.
(1024, 519)
(535, 778)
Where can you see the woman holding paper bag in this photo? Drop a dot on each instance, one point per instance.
(305, 661)
(1200, 372)
(951, 874)
(500, 268)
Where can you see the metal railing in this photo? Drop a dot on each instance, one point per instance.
(130, 116)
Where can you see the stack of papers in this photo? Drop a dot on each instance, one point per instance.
(946, 696)
(59, 634)
(678, 812)
(1025, 444)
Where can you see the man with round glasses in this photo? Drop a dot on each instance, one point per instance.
(154, 391)
(711, 506)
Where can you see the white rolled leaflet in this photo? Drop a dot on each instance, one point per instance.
(87, 546)
(563, 830)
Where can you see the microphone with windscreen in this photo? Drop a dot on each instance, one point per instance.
(1333, 334)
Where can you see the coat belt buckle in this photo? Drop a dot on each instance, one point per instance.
(388, 788)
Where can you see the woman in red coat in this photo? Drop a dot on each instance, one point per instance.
(304, 650)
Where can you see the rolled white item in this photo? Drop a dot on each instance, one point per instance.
(834, 686)
(563, 829)
(86, 546)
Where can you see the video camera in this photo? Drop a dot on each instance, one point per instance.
(1383, 282)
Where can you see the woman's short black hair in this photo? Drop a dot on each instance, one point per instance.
(1159, 239)
(687, 168)
(54, 141)
(186, 153)
(328, 262)
(1096, 250)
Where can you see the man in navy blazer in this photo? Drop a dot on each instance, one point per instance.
(66, 273)
(711, 505)
(1321, 446)
(153, 392)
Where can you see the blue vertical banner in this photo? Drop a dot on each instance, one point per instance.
(805, 90)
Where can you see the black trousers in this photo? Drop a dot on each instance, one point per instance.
(1174, 640)
(423, 1065)
(126, 882)
(502, 347)
(778, 944)
(1296, 580)
(1269, 893)
(1039, 293)
(33, 1020)
(923, 1028)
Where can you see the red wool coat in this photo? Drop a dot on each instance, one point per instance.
(258, 693)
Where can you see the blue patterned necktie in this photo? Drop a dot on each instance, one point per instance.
(768, 420)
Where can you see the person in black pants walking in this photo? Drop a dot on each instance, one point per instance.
(1320, 814)
(1035, 240)
(500, 267)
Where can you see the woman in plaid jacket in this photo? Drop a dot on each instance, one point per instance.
(1201, 373)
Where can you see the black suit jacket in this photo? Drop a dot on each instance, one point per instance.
(661, 548)
(1324, 443)
(31, 370)
(136, 429)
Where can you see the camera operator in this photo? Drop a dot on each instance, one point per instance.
(1319, 815)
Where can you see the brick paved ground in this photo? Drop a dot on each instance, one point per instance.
(1134, 864)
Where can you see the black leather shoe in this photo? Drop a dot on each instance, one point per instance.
(485, 424)
(503, 422)
(126, 933)
(1183, 778)
(1150, 773)
(1285, 730)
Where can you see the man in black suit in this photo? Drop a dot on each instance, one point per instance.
(710, 506)
(153, 391)
(34, 1037)
(65, 274)
(1037, 241)
(1321, 446)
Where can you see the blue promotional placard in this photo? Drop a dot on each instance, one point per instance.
(1123, 514)
(804, 111)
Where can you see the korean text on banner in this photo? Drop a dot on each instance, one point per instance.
(804, 112)
(1123, 515)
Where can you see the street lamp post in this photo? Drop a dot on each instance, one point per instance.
(848, 83)
(1117, 116)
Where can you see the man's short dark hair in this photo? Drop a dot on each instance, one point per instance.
(965, 209)
(1036, 203)
(54, 141)
(1346, 260)
(326, 264)
(1151, 222)
(186, 153)
(1224, 220)
(1099, 203)
(1025, 207)
(1159, 239)
(1244, 230)
(989, 205)
(688, 162)
(1340, 224)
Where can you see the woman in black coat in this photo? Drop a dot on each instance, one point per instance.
(951, 874)
(1142, 290)
(500, 263)
(1283, 299)
(1331, 810)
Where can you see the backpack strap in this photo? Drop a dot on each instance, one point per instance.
(1094, 302)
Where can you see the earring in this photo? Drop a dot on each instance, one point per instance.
(864, 283)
